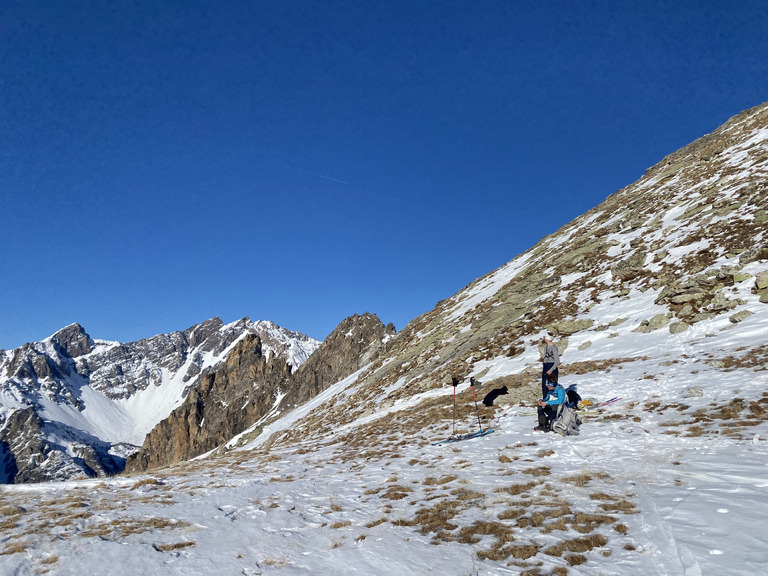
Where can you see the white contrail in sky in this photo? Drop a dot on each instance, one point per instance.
(311, 173)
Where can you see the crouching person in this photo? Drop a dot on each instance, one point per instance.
(548, 406)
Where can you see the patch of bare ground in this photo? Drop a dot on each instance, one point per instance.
(624, 506)
(538, 471)
(397, 492)
(431, 481)
(516, 489)
(751, 358)
(580, 480)
(730, 419)
(385, 437)
(529, 510)
(578, 545)
(172, 547)
(10, 515)
(150, 483)
(122, 527)
(14, 548)
(602, 366)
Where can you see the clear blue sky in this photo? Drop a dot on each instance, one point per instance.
(163, 162)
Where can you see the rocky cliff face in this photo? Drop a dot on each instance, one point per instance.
(225, 403)
(28, 455)
(251, 387)
(352, 345)
(77, 402)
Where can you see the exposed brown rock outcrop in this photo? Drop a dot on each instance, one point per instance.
(224, 404)
(250, 386)
(353, 344)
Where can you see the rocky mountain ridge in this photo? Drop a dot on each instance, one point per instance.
(72, 406)
(250, 389)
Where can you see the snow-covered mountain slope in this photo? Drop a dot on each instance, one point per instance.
(657, 297)
(94, 393)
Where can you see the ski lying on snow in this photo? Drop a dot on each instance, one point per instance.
(461, 437)
(611, 401)
(578, 413)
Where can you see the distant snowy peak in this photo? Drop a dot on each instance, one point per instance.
(75, 393)
(72, 341)
(119, 370)
(295, 347)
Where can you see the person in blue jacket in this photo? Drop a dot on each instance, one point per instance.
(548, 406)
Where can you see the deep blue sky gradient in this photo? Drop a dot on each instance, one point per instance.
(163, 162)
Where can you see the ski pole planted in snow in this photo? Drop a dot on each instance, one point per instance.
(472, 383)
(455, 383)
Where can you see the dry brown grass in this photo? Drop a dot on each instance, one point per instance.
(437, 518)
(600, 366)
(516, 489)
(524, 551)
(12, 510)
(146, 482)
(561, 514)
(376, 523)
(624, 506)
(431, 481)
(539, 471)
(585, 523)
(512, 513)
(14, 548)
(755, 358)
(502, 532)
(575, 559)
(579, 480)
(729, 419)
(397, 492)
(172, 547)
(577, 545)
(730, 411)
(122, 527)
(602, 496)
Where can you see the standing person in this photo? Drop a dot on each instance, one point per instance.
(551, 362)
(549, 405)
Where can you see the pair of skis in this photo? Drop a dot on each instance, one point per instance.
(460, 437)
